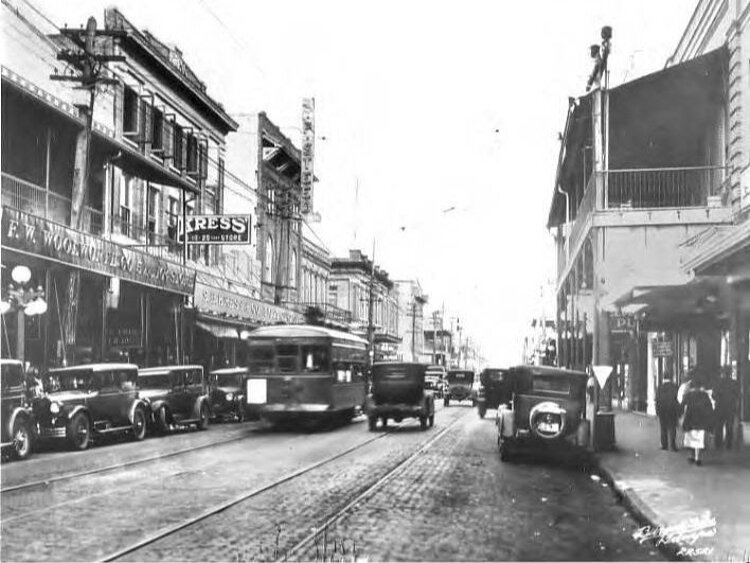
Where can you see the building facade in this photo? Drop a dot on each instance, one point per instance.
(411, 302)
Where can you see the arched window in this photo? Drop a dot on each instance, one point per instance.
(268, 266)
(293, 269)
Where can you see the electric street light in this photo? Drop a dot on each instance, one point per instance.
(25, 301)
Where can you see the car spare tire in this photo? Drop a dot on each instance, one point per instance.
(547, 420)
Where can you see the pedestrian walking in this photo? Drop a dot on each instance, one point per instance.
(668, 410)
(699, 418)
(726, 394)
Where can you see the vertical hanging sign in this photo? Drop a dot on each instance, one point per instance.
(308, 154)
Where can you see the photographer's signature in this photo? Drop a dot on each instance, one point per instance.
(684, 534)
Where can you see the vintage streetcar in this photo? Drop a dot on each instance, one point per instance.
(459, 386)
(91, 400)
(227, 393)
(399, 390)
(304, 372)
(547, 411)
(175, 396)
(18, 430)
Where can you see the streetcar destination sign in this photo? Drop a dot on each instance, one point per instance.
(215, 229)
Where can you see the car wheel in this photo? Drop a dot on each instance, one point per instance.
(423, 422)
(446, 401)
(432, 420)
(482, 411)
(241, 413)
(372, 423)
(23, 439)
(385, 422)
(78, 431)
(203, 420)
(139, 424)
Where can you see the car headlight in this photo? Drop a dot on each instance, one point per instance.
(54, 408)
(230, 396)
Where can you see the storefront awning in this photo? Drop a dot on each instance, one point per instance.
(220, 329)
(720, 251)
(670, 303)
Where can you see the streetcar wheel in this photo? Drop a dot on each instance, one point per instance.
(432, 420)
(78, 432)
(482, 411)
(23, 439)
(139, 424)
(203, 420)
(372, 423)
(423, 422)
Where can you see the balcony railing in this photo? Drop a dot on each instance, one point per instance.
(33, 199)
(330, 312)
(663, 187)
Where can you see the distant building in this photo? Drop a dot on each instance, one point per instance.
(411, 301)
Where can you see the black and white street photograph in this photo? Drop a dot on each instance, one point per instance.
(356, 281)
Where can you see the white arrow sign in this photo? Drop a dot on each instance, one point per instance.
(602, 374)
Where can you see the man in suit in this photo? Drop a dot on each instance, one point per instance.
(726, 393)
(668, 410)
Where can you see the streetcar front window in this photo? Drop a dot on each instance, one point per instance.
(287, 356)
(260, 359)
(315, 359)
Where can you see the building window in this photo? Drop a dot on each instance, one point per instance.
(268, 266)
(130, 112)
(178, 137)
(157, 131)
(152, 214)
(173, 218)
(192, 155)
(125, 205)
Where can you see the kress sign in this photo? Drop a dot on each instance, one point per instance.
(215, 229)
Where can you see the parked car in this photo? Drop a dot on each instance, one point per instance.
(226, 389)
(92, 400)
(19, 428)
(435, 380)
(494, 390)
(399, 390)
(175, 395)
(548, 410)
(459, 386)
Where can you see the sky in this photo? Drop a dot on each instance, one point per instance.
(440, 119)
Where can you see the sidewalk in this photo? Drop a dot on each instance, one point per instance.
(662, 489)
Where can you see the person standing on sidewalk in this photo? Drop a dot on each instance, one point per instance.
(699, 418)
(726, 395)
(668, 411)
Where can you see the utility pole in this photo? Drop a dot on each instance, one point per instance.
(434, 337)
(91, 65)
(370, 306)
(413, 329)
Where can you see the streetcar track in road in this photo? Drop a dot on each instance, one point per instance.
(372, 489)
(127, 464)
(219, 508)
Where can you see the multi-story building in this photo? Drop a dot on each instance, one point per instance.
(411, 301)
(644, 167)
(115, 279)
(359, 286)
(440, 347)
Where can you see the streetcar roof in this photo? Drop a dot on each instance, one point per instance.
(303, 331)
(228, 371)
(94, 367)
(164, 369)
(9, 361)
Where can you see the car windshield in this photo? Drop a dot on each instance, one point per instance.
(227, 379)
(68, 380)
(12, 376)
(155, 381)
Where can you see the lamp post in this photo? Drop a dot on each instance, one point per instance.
(26, 301)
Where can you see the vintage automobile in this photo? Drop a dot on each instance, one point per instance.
(494, 390)
(399, 391)
(548, 410)
(18, 432)
(91, 400)
(435, 380)
(459, 386)
(227, 393)
(175, 395)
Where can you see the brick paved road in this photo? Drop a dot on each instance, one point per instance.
(457, 502)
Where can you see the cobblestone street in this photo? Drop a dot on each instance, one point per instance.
(452, 501)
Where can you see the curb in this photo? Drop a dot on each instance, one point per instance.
(641, 512)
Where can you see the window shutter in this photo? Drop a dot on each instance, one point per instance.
(204, 161)
(183, 150)
(167, 138)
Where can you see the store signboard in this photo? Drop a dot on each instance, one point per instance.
(307, 175)
(215, 229)
(620, 324)
(214, 300)
(37, 236)
(663, 348)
